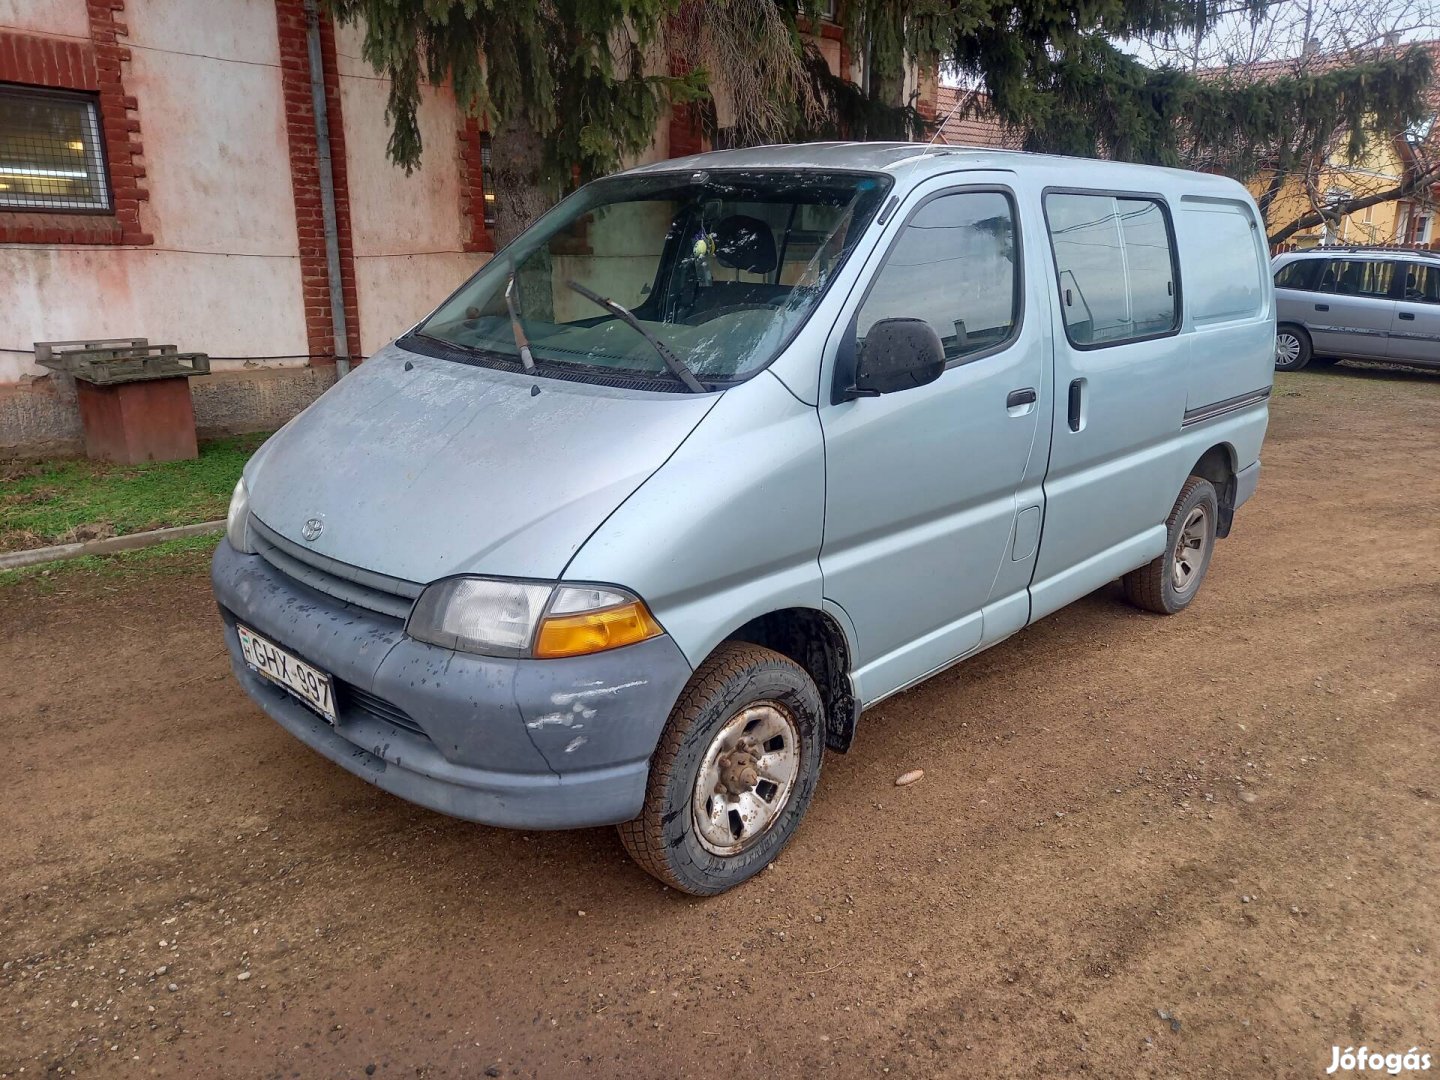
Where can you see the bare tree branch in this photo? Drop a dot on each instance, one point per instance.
(1312, 176)
(1413, 184)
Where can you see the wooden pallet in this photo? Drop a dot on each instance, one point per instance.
(121, 360)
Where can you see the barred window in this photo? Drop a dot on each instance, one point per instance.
(51, 156)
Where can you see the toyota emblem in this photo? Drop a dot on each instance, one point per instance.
(312, 529)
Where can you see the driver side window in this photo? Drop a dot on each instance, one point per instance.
(954, 266)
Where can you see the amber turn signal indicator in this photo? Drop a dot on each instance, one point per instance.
(595, 631)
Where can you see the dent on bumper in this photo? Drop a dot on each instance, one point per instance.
(521, 743)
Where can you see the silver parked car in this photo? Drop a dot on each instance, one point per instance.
(1356, 303)
(725, 450)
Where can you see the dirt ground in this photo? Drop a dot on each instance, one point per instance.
(1231, 817)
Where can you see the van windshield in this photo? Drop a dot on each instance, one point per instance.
(718, 267)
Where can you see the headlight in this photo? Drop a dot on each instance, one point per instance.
(499, 617)
(237, 521)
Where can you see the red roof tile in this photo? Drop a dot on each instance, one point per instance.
(969, 120)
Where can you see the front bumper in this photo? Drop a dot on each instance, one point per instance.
(534, 744)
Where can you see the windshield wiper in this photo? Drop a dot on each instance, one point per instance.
(512, 303)
(677, 367)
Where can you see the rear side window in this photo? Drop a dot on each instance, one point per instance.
(1115, 259)
(1422, 283)
(1300, 274)
(954, 266)
(1357, 277)
(1223, 261)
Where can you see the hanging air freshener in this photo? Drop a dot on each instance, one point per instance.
(703, 248)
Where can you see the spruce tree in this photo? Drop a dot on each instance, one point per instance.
(564, 85)
(572, 87)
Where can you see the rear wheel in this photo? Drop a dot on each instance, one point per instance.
(1168, 584)
(735, 769)
(1292, 347)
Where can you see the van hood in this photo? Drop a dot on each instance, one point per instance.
(420, 468)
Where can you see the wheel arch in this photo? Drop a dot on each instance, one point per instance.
(1219, 465)
(817, 642)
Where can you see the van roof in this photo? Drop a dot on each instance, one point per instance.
(914, 161)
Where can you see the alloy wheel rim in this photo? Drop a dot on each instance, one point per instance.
(746, 778)
(1287, 348)
(1191, 548)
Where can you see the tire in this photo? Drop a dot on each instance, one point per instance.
(1292, 347)
(741, 691)
(1167, 584)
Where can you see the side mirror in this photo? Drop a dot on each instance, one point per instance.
(897, 354)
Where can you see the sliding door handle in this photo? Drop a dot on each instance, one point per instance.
(1077, 389)
(1408, 316)
(1322, 307)
(1024, 396)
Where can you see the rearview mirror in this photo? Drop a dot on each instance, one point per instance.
(897, 354)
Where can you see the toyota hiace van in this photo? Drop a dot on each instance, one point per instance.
(725, 450)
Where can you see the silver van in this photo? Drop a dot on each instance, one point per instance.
(724, 451)
(1359, 304)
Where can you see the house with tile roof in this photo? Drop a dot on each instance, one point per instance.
(968, 119)
(1408, 159)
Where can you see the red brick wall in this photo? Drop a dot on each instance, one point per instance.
(472, 186)
(305, 179)
(686, 135)
(95, 66)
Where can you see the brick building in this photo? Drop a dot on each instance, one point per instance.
(168, 170)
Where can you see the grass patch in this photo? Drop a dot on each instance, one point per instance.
(183, 556)
(60, 502)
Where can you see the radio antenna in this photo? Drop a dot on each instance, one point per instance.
(939, 128)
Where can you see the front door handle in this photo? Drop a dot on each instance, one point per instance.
(1408, 316)
(1322, 307)
(1025, 396)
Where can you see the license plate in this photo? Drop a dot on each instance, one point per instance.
(311, 685)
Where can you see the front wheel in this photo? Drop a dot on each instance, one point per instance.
(737, 763)
(1167, 584)
(1292, 348)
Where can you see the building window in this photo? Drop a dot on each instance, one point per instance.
(486, 193)
(1116, 263)
(51, 153)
